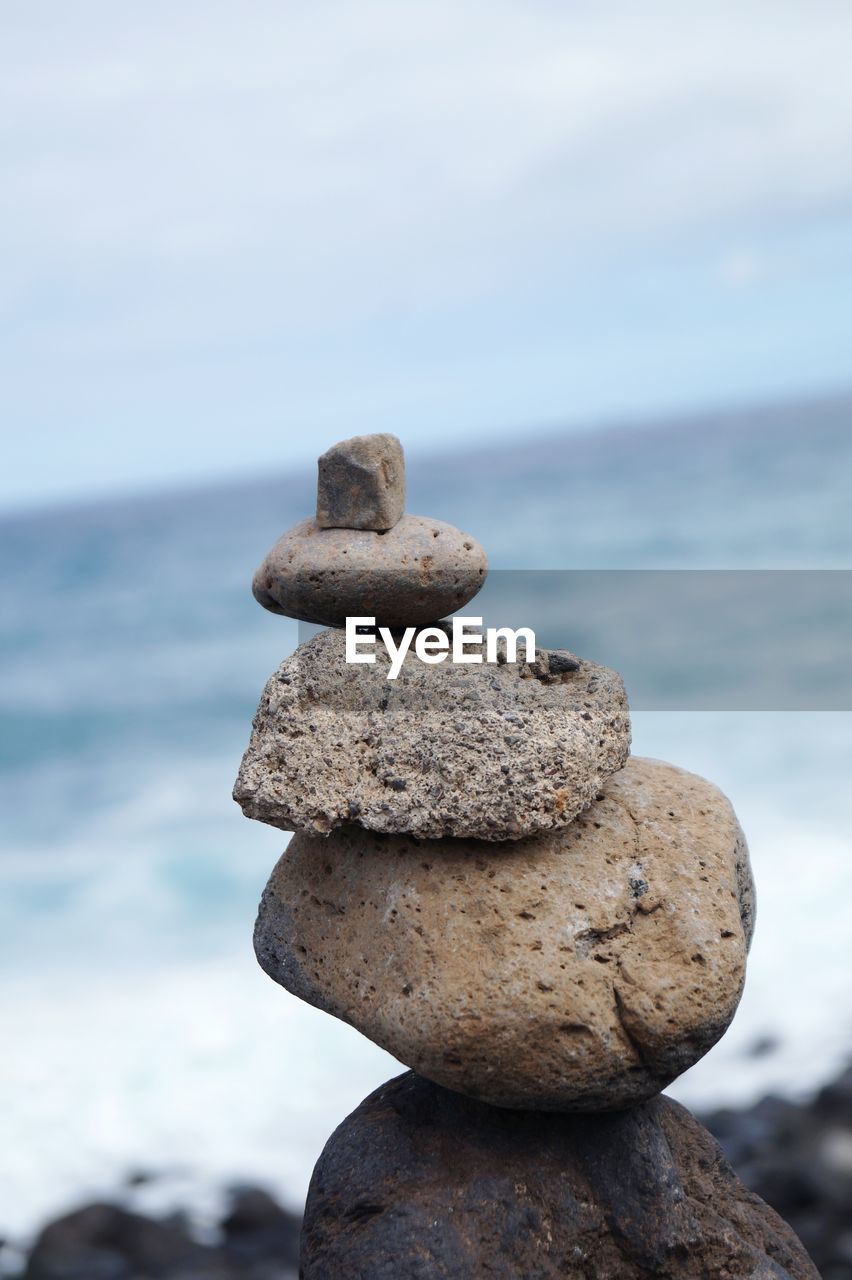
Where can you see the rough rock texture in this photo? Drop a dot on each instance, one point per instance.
(579, 970)
(417, 572)
(361, 483)
(422, 1183)
(495, 751)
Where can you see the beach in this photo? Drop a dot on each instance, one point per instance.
(141, 1035)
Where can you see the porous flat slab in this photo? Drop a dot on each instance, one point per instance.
(491, 751)
(582, 969)
(421, 1182)
(361, 483)
(416, 573)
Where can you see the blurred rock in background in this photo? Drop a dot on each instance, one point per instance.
(799, 1159)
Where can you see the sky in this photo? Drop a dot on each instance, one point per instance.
(234, 233)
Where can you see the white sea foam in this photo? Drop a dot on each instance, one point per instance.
(205, 1073)
(161, 1045)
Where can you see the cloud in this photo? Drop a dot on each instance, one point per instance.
(741, 268)
(208, 177)
(302, 133)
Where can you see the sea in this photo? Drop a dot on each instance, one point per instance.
(145, 1054)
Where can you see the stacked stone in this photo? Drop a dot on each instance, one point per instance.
(482, 881)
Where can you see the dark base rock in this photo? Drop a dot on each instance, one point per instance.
(420, 1182)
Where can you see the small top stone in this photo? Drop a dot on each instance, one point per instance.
(361, 484)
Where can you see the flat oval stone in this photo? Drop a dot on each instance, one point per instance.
(492, 751)
(413, 574)
(421, 1182)
(581, 969)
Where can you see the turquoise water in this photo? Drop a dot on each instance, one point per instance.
(132, 659)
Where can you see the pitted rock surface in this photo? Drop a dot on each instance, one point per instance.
(422, 1183)
(491, 751)
(361, 483)
(582, 969)
(414, 574)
